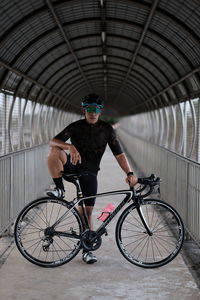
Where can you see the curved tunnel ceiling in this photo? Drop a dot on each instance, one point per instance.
(139, 55)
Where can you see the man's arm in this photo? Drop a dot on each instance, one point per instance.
(124, 164)
(58, 143)
(74, 154)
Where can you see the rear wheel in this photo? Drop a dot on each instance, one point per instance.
(41, 245)
(142, 249)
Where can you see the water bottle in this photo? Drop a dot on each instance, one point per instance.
(106, 212)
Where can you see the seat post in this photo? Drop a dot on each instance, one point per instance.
(78, 188)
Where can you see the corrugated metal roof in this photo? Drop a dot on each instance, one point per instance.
(124, 50)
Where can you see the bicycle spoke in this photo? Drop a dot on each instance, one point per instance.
(24, 227)
(137, 219)
(30, 233)
(36, 247)
(35, 223)
(46, 255)
(40, 216)
(139, 234)
(28, 241)
(164, 240)
(153, 242)
(134, 225)
(45, 216)
(131, 230)
(51, 214)
(142, 249)
(152, 248)
(65, 243)
(161, 221)
(140, 239)
(40, 252)
(147, 248)
(60, 248)
(152, 218)
(33, 245)
(58, 213)
(157, 248)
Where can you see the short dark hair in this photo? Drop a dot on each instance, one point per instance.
(91, 98)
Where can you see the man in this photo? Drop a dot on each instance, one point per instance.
(89, 138)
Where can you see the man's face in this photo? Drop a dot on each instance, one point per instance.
(91, 117)
(92, 113)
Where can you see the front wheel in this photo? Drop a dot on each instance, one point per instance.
(47, 232)
(165, 241)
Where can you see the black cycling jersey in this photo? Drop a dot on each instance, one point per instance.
(90, 140)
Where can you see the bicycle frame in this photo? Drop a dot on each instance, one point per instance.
(130, 194)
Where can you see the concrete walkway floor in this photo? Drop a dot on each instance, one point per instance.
(112, 277)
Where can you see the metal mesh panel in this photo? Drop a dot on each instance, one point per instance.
(24, 123)
(2, 113)
(36, 125)
(5, 192)
(176, 128)
(27, 124)
(15, 125)
(194, 130)
(179, 129)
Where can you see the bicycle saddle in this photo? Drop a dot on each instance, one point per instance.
(71, 177)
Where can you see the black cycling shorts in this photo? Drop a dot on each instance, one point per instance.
(88, 182)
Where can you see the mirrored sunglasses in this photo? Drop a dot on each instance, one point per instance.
(95, 109)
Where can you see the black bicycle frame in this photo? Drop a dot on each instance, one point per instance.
(101, 230)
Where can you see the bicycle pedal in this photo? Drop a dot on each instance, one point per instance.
(106, 232)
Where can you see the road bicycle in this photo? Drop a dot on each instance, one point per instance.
(50, 232)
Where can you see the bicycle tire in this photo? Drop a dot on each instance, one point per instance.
(30, 236)
(144, 250)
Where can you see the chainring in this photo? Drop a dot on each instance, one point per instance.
(90, 241)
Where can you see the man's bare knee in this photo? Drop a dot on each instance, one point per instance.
(55, 150)
(57, 153)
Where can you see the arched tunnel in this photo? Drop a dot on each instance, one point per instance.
(141, 56)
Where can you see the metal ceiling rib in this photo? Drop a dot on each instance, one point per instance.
(181, 80)
(139, 49)
(141, 39)
(32, 81)
(56, 19)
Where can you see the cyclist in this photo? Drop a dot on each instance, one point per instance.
(89, 137)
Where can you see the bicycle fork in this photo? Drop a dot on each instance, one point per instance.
(140, 213)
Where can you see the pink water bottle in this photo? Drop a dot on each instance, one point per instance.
(106, 212)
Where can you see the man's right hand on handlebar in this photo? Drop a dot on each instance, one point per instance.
(131, 180)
